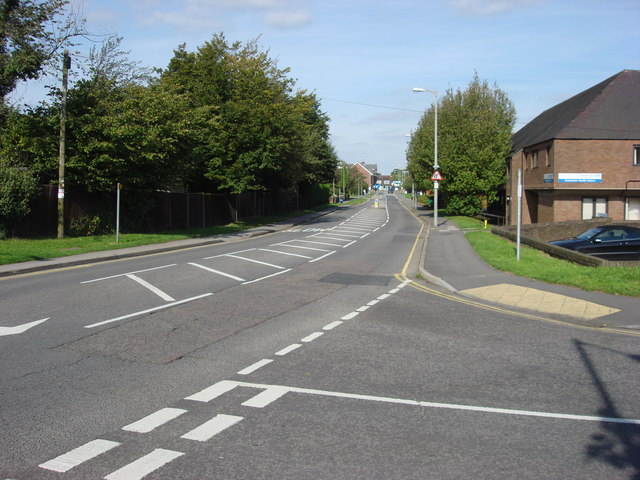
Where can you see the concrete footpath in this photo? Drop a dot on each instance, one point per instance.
(449, 261)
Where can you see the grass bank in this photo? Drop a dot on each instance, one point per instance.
(500, 253)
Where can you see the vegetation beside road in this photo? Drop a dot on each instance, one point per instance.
(500, 253)
(17, 250)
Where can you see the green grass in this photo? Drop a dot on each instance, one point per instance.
(500, 253)
(16, 250)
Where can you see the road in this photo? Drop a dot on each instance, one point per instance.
(309, 353)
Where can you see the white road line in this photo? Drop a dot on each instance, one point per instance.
(330, 238)
(383, 296)
(79, 455)
(365, 235)
(349, 244)
(129, 273)
(394, 290)
(155, 309)
(322, 256)
(232, 253)
(266, 397)
(320, 243)
(211, 428)
(255, 261)
(299, 246)
(349, 316)
(284, 253)
(214, 391)
(373, 302)
(356, 229)
(312, 337)
(345, 235)
(332, 325)
(228, 275)
(450, 406)
(363, 308)
(266, 276)
(144, 465)
(156, 290)
(255, 366)
(288, 349)
(20, 328)
(153, 421)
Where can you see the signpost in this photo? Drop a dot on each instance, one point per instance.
(435, 178)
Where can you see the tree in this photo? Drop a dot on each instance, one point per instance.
(31, 32)
(17, 187)
(474, 138)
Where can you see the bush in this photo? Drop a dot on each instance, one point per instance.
(467, 205)
(88, 226)
(17, 187)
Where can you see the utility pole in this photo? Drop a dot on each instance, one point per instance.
(66, 65)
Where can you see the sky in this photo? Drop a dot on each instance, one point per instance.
(363, 57)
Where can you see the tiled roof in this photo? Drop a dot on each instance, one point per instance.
(609, 110)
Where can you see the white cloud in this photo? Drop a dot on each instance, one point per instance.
(202, 14)
(490, 7)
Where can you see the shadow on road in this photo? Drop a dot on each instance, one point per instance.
(618, 444)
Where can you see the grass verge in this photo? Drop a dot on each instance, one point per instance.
(17, 250)
(500, 253)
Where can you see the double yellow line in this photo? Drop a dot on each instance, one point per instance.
(402, 277)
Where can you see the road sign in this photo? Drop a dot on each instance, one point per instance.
(437, 176)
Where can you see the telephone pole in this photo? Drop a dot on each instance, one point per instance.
(66, 65)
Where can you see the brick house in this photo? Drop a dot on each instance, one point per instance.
(369, 172)
(581, 158)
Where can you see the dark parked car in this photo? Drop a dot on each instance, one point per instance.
(611, 242)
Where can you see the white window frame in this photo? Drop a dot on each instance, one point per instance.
(632, 212)
(594, 207)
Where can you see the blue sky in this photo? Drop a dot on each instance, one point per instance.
(359, 56)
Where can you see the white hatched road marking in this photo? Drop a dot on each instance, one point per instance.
(320, 243)
(130, 273)
(255, 261)
(266, 276)
(285, 253)
(211, 428)
(322, 257)
(149, 310)
(153, 421)
(287, 244)
(144, 465)
(155, 290)
(79, 455)
(228, 275)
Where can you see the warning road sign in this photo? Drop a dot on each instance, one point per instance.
(437, 176)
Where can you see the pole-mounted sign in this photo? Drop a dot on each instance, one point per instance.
(437, 176)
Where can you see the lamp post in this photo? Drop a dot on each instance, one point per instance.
(435, 157)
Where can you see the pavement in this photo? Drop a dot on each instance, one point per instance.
(447, 261)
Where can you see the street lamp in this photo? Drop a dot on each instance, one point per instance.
(435, 158)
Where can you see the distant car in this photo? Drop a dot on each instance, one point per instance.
(610, 242)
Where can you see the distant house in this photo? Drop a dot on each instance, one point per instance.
(581, 158)
(369, 172)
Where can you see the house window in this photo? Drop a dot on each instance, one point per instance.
(548, 156)
(534, 159)
(636, 154)
(632, 208)
(594, 207)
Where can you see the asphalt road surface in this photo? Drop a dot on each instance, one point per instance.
(312, 353)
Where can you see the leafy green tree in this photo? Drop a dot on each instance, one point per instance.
(474, 138)
(31, 32)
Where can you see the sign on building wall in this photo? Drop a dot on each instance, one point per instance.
(580, 177)
(548, 178)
